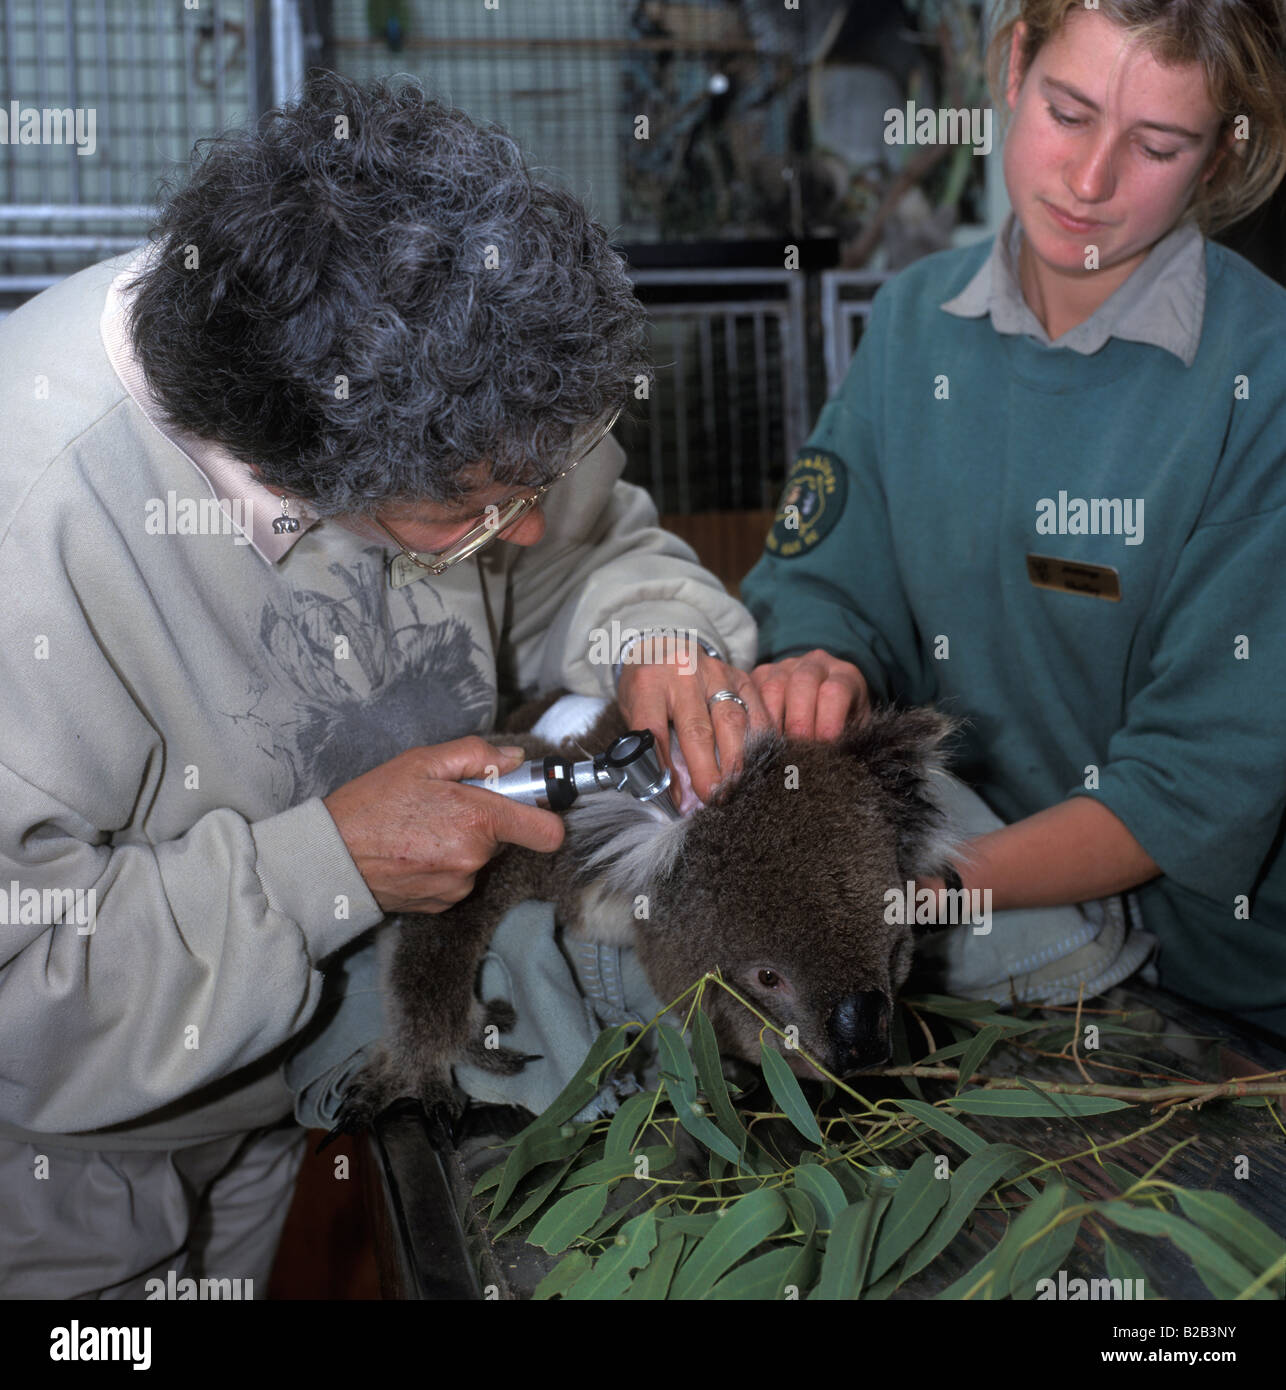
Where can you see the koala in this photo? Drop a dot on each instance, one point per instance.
(778, 883)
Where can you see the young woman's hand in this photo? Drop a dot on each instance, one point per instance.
(812, 696)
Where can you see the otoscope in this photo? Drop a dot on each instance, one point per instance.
(631, 765)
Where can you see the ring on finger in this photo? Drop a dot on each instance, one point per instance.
(727, 695)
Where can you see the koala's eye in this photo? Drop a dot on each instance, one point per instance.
(769, 979)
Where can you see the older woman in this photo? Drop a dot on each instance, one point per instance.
(256, 625)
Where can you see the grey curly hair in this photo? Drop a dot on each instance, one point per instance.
(385, 305)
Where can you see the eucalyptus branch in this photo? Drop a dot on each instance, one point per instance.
(1195, 1094)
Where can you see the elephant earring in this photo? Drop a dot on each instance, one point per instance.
(285, 522)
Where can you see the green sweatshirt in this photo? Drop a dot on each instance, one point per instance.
(951, 453)
(184, 681)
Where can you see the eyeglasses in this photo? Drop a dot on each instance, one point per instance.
(409, 566)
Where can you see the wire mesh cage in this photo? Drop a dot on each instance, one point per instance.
(102, 99)
(671, 119)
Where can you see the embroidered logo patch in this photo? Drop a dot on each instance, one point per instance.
(811, 504)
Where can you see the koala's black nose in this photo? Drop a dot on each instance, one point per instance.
(858, 1028)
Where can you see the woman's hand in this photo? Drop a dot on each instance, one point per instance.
(812, 696)
(672, 690)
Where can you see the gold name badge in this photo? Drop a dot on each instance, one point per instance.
(1070, 577)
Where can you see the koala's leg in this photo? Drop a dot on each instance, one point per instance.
(435, 1020)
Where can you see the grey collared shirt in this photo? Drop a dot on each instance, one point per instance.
(1162, 303)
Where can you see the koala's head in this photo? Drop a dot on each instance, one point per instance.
(779, 883)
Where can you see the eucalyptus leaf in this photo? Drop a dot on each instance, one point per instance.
(630, 1251)
(535, 1199)
(747, 1222)
(1034, 1216)
(824, 1189)
(653, 1280)
(1022, 1104)
(902, 1051)
(917, 1201)
(563, 1275)
(569, 1217)
(975, 1177)
(705, 1051)
(976, 1053)
(584, 1086)
(612, 1170)
(623, 1132)
(534, 1148)
(1042, 1259)
(681, 1086)
(1232, 1225)
(848, 1249)
(1218, 1270)
(785, 1091)
(1122, 1266)
(764, 1277)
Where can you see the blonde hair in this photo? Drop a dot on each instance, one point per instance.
(1241, 45)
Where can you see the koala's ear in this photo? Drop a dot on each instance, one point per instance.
(903, 750)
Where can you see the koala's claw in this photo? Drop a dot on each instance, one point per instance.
(504, 1061)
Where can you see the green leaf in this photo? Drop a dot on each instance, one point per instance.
(535, 1199)
(1232, 1225)
(746, 1222)
(902, 1051)
(946, 1125)
(630, 1251)
(653, 1280)
(848, 1249)
(954, 1292)
(916, 1202)
(764, 1277)
(569, 1217)
(975, 1054)
(563, 1275)
(584, 1086)
(1121, 1265)
(1043, 1258)
(1021, 1228)
(1223, 1275)
(785, 1091)
(612, 1170)
(695, 1223)
(971, 1182)
(611, 1217)
(681, 1086)
(705, 1051)
(1022, 1104)
(823, 1187)
(532, 1149)
(623, 1132)
(852, 1180)
(1122, 1177)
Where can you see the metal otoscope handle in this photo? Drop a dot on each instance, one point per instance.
(630, 765)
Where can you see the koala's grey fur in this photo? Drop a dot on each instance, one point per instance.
(781, 890)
